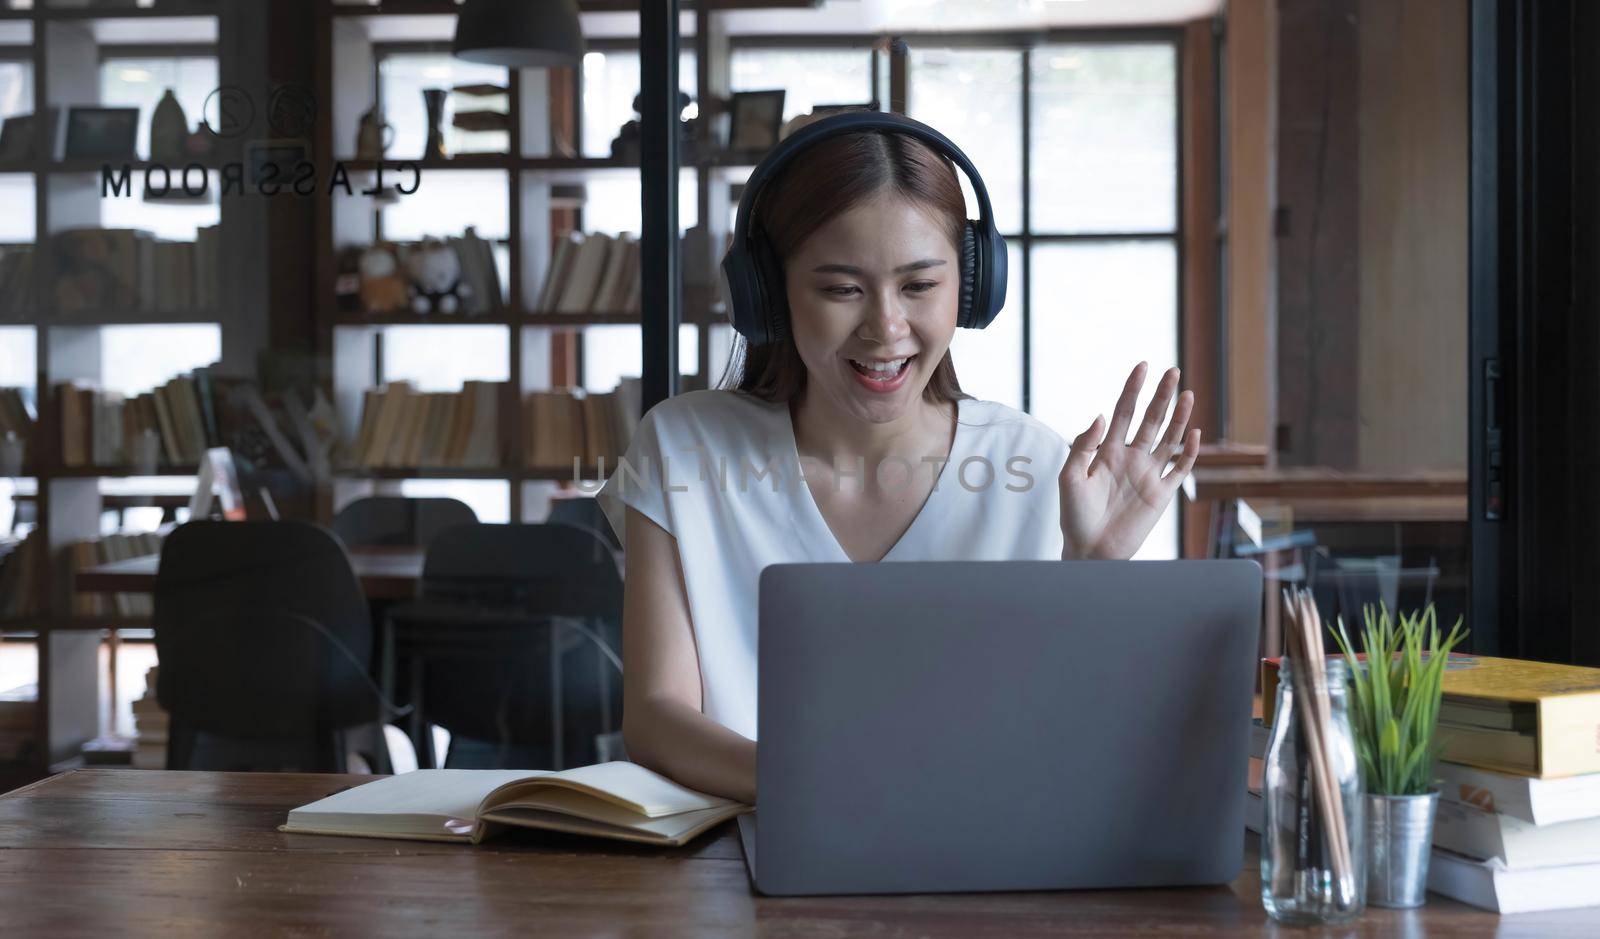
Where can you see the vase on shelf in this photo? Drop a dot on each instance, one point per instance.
(433, 100)
(169, 131)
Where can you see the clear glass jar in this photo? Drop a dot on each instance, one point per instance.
(1306, 875)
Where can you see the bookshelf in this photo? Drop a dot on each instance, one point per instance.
(65, 48)
(544, 148)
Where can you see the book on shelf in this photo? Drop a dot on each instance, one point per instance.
(16, 277)
(151, 726)
(99, 270)
(402, 427)
(480, 273)
(101, 428)
(617, 800)
(592, 273)
(559, 426)
(19, 576)
(1560, 703)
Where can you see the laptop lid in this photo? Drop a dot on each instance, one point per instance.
(1017, 725)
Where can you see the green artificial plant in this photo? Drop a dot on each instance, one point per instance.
(1395, 710)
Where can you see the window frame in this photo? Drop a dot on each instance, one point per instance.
(1026, 42)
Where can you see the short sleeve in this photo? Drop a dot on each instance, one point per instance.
(636, 481)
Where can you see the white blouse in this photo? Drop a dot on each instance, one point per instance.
(720, 471)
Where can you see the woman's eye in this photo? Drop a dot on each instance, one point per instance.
(922, 286)
(843, 290)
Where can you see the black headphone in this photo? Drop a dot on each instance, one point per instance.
(752, 273)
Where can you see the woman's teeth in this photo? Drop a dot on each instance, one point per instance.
(881, 371)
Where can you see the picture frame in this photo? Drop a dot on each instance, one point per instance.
(756, 120)
(16, 138)
(285, 155)
(25, 137)
(101, 133)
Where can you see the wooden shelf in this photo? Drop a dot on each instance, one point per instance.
(581, 319)
(50, 318)
(168, 10)
(115, 472)
(419, 319)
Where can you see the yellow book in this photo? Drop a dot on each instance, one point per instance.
(1566, 737)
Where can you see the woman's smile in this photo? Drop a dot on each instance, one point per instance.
(882, 375)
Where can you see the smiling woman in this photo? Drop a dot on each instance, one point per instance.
(843, 435)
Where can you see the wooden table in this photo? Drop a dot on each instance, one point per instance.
(385, 573)
(144, 852)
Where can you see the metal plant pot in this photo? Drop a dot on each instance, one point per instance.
(1399, 838)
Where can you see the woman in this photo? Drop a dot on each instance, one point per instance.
(848, 439)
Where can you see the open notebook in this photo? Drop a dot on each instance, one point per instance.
(608, 800)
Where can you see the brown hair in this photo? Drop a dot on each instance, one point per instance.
(826, 180)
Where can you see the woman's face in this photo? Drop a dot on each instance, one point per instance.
(872, 298)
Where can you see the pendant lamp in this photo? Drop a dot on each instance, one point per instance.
(519, 33)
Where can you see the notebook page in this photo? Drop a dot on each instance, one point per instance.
(443, 801)
(633, 787)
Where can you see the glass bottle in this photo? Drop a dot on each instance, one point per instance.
(1306, 875)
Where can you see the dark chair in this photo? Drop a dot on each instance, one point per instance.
(584, 512)
(514, 641)
(396, 521)
(263, 638)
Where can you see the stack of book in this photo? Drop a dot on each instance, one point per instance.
(99, 428)
(16, 277)
(402, 427)
(150, 724)
(19, 576)
(16, 417)
(95, 270)
(1518, 826)
(592, 273)
(103, 550)
(17, 709)
(592, 427)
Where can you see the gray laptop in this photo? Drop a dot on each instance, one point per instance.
(1017, 725)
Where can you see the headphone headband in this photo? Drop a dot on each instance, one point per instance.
(753, 274)
(851, 122)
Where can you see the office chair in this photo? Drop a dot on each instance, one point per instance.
(514, 641)
(397, 521)
(584, 512)
(263, 638)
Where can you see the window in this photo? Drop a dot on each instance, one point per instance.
(1092, 206)
(974, 97)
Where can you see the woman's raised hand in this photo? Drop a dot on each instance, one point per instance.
(1113, 490)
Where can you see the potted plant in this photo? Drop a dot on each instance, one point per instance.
(1395, 697)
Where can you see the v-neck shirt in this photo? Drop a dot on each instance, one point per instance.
(719, 471)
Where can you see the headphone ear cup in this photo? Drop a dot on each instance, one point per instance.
(965, 314)
(774, 291)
